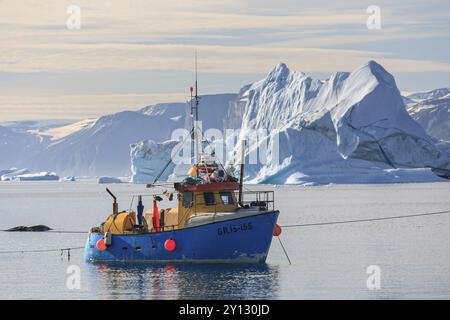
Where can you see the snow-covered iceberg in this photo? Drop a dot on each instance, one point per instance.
(10, 174)
(149, 158)
(68, 179)
(39, 176)
(352, 124)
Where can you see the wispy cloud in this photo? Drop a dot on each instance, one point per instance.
(233, 37)
(140, 35)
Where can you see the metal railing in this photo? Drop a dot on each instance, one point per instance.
(264, 200)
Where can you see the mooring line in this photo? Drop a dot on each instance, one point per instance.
(67, 231)
(285, 252)
(48, 231)
(42, 250)
(364, 220)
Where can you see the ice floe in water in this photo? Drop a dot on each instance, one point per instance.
(106, 180)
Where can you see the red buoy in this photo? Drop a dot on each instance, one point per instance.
(170, 245)
(101, 244)
(276, 230)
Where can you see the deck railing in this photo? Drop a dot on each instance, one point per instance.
(264, 200)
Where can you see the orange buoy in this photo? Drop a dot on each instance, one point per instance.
(170, 245)
(276, 230)
(101, 244)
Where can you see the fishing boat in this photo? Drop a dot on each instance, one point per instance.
(214, 219)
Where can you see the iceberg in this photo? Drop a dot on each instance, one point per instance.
(107, 180)
(40, 176)
(149, 158)
(352, 127)
(7, 171)
(68, 179)
(12, 173)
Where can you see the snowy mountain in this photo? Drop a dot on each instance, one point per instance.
(427, 95)
(103, 147)
(17, 145)
(329, 131)
(432, 112)
(95, 147)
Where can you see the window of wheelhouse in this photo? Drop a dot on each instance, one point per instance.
(209, 198)
(227, 198)
(188, 199)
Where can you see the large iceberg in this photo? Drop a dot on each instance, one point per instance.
(352, 124)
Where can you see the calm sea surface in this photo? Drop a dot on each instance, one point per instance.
(328, 262)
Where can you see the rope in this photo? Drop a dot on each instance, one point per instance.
(49, 231)
(42, 250)
(365, 220)
(68, 231)
(284, 250)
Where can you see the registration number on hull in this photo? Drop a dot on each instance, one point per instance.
(222, 231)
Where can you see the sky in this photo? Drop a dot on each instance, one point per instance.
(131, 53)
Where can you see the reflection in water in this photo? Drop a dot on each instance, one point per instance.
(183, 281)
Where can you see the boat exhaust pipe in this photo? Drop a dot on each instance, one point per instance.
(115, 204)
(241, 174)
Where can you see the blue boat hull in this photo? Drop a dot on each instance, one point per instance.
(245, 239)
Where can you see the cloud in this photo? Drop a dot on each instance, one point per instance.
(143, 35)
(236, 39)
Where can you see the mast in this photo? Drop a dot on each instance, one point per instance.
(192, 125)
(197, 102)
(241, 174)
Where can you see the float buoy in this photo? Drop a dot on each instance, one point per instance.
(101, 244)
(276, 230)
(170, 245)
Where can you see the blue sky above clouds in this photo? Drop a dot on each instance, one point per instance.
(132, 53)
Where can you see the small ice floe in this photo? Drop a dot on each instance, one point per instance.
(40, 176)
(68, 179)
(104, 180)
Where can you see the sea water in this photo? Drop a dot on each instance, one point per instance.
(386, 259)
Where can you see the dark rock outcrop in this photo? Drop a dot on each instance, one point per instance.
(38, 228)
